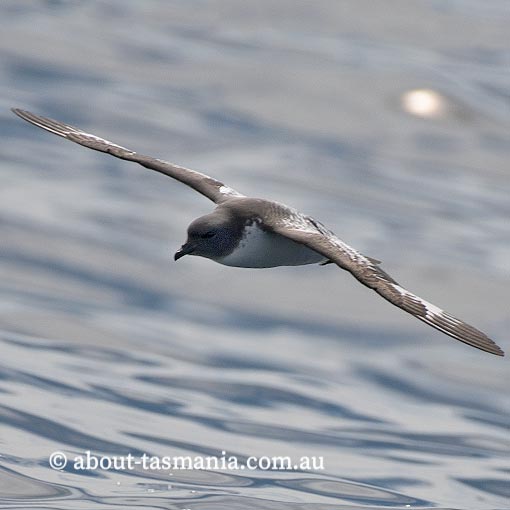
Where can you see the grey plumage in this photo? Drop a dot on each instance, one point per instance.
(251, 232)
(202, 183)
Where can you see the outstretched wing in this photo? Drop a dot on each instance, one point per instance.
(207, 186)
(306, 231)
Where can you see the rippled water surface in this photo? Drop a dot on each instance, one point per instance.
(107, 345)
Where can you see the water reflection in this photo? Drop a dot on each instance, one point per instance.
(424, 103)
(211, 408)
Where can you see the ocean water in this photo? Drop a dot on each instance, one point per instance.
(108, 346)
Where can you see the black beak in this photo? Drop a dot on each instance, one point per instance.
(186, 249)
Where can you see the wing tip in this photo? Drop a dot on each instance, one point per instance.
(496, 350)
(53, 126)
(488, 346)
(19, 112)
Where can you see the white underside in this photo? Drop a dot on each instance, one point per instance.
(260, 249)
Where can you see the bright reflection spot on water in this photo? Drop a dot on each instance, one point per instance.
(423, 103)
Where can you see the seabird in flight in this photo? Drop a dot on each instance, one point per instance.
(252, 232)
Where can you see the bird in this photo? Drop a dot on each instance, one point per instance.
(249, 232)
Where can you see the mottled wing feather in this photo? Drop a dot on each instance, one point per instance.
(207, 186)
(306, 231)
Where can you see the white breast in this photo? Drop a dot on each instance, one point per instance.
(259, 248)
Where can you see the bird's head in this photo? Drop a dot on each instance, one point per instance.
(210, 236)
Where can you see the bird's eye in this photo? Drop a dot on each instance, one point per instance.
(207, 235)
